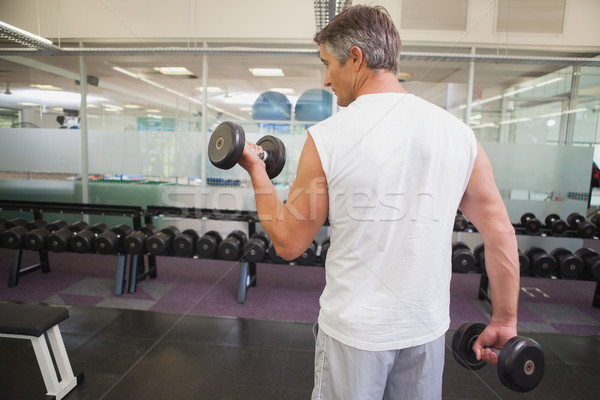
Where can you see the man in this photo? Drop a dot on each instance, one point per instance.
(389, 171)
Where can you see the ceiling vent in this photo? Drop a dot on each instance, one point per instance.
(436, 15)
(531, 16)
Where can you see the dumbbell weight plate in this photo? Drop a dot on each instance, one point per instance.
(226, 145)
(276, 155)
(525, 217)
(462, 345)
(521, 364)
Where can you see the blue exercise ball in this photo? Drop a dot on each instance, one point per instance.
(314, 105)
(273, 106)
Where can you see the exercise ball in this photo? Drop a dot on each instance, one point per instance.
(272, 106)
(314, 105)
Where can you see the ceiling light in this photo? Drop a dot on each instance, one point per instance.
(29, 104)
(245, 98)
(112, 107)
(126, 72)
(266, 71)
(45, 87)
(133, 106)
(152, 110)
(247, 109)
(282, 90)
(210, 89)
(173, 70)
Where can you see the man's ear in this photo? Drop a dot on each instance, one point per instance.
(357, 56)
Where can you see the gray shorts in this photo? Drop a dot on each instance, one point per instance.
(344, 372)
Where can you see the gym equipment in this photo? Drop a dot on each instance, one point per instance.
(479, 254)
(83, 242)
(35, 240)
(59, 241)
(231, 247)
(313, 105)
(531, 223)
(185, 243)
(521, 362)
(256, 248)
(325, 249)
(460, 223)
(524, 268)
(275, 257)
(135, 242)
(112, 242)
(13, 237)
(272, 106)
(584, 229)
(160, 243)
(596, 220)
(227, 144)
(556, 225)
(591, 259)
(570, 266)
(541, 263)
(463, 260)
(309, 255)
(207, 244)
(6, 225)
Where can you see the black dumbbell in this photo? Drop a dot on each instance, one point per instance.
(570, 266)
(521, 362)
(112, 242)
(584, 229)
(531, 223)
(60, 240)
(556, 225)
(309, 255)
(185, 243)
(276, 258)
(460, 222)
(36, 239)
(255, 250)
(207, 244)
(231, 247)
(524, 268)
(83, 241)
(13, 238)
(135, 242)
(7, 225)
(160, 243)
(591, 259)
(227, 144)
(541, 263)
(479, 254)
(324, 250)
(463, 260)
(595, 219)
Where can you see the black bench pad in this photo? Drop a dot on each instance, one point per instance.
(30, 320)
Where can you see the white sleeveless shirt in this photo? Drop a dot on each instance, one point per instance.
(396, 168)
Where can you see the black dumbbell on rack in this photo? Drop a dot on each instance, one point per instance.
(13, 238)
(309, 255)
(255, 249)
(231, 247)
(463, 260)
(460, 223)
(531, 223)
(556, 225)
(324, 250)
(135, 242)
(521, 362)
(569, 265)
(83, 242)
(524, 268)
(207, 244)
(227, 143)
(8, 225)
(60, 240)
(584, 229)
(541, 263)
(37, 239)
(591, 259)
(479, 255)
(160, 243)
(113, 241)
(276, 258)
(184, 244)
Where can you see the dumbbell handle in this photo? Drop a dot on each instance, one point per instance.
(263, 155)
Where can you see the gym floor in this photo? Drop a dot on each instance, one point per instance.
(191, 340)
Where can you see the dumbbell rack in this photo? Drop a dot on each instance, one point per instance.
(247, 273)
(483, 293)
(39, 208)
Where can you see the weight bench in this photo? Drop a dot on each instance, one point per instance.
(35, 322)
